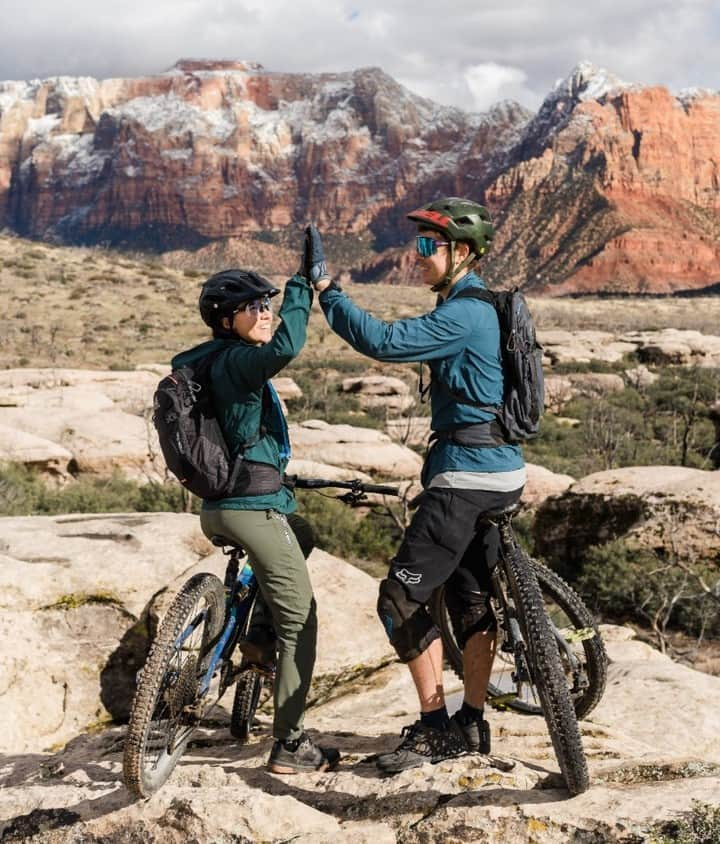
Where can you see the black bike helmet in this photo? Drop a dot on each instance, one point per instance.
(223, 292)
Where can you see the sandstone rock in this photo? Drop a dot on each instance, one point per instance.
(392, 404)
(596, 384)
(98, 420)
(410, 430)
(678, 347)
(645, 768)
(361, 448)
(286, 388)
(669, 507)
(382, 391)
(19, 447)
(77, 594)
(542, 483)
(584, 346)
(640, 377)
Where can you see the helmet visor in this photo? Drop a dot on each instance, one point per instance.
(427, 246)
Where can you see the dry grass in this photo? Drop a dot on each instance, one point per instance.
(90, 308)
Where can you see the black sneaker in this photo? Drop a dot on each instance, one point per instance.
(306, 756)
(422, 744)
(476, 733)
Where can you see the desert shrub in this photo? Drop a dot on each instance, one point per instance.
(625, 583)
(373, 538)
(666, 423)
(701, 825)
(23, 492)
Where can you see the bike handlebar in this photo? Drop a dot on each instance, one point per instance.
(357, 486)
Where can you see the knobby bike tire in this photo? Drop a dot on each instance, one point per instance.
(167, 681)
(592, 658)
(547, 672)
(245, 703)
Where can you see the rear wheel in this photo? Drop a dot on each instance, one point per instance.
(540, 650)
(582, 651)
(166, 707)
(247, 696)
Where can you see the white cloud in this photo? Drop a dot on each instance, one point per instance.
(489, 82)
(464, 53)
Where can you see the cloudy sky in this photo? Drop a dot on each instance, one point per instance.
(469, 53)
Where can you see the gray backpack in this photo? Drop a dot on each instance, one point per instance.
(524, 396)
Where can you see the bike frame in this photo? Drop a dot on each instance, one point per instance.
(243, 589)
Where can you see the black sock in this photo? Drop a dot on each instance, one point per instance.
(469, 713)
(438, 719)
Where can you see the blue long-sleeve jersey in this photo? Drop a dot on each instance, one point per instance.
(460, 340)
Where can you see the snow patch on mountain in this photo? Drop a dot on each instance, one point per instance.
(173, 116)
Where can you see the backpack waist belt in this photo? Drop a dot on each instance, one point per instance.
(253, 478)
(481, 435)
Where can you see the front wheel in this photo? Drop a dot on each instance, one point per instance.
(540, 648)
(166, 708)
(582, 650)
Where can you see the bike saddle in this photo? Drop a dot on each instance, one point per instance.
(503, 511)
(223, 541)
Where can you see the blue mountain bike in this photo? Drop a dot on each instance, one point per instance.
(190, 664)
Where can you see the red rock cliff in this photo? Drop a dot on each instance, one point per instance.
(609, 187)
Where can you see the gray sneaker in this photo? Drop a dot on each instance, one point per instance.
(421, 744)
(306, 756)
(476, 733)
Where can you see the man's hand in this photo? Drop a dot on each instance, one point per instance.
(313, 265)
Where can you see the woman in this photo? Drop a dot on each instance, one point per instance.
(236, 305)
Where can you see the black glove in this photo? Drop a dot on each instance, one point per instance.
(313, 265)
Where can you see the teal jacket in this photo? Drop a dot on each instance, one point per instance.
(240, 379)
(460, 340)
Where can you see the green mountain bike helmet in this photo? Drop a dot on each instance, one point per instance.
(457, 219)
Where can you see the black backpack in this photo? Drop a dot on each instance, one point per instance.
(524, 395)
(190, 436)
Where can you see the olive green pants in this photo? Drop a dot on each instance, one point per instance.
(284, 581)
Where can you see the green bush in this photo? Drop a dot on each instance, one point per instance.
(666, 423)
(372, 539)
(701, 825)
(626, 583)
(24, 493)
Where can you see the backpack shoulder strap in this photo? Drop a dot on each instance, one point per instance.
(476, 293)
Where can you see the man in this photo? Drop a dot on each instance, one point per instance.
(446, 540)
(259, 515)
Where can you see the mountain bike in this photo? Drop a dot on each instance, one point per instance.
(550, 659)
(535, 652)
(580, 644)
(189, 666)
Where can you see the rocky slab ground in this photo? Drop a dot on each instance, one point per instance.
(653, 743)
(647, 765)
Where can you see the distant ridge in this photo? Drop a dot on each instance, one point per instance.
(612, 186)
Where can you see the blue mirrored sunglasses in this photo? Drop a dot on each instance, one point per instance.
(427, 246)
(256, 306)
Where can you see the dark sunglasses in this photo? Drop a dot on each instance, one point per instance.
(427, 246)
(256, 306)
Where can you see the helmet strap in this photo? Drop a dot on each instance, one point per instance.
(451, 270)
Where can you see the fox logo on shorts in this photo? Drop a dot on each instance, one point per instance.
(409, 577)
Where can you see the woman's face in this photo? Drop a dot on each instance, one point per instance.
(253, 322)
(434, 267)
